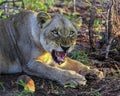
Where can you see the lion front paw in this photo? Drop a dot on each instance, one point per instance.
(72, 79)
(94, 74)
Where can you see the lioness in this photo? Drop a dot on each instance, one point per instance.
(38, 43)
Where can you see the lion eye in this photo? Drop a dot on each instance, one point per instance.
(71, 33)
(55, 33)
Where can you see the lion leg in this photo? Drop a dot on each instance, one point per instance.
(74, 65)
(80, 68)
(62, 76)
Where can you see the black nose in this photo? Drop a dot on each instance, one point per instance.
(65, 48)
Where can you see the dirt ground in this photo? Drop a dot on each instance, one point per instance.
(109, 86)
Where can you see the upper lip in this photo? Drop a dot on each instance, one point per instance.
(65, 48)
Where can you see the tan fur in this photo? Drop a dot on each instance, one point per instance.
(26, 43)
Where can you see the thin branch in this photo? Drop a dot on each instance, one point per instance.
(108, 47)
(90, 27)
(109, 29)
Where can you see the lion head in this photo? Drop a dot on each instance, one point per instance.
(58, 35)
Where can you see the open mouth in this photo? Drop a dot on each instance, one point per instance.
(59, 56)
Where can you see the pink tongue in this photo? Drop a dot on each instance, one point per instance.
(61, 55)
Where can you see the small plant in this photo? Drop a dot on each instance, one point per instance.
(80, 56)
(22, 83)
(94, 92)
(70, 86)
(8, 8)
(25, 92)
(2, 86)
(36, 5)
(116, 73)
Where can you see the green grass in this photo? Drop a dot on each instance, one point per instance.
(37, 5)
(80, 56)
(94, 92)
(23, 92)
(2, 86)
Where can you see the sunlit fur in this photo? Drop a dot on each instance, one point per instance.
(45, 58)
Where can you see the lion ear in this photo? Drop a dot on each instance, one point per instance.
(43, 17)
(77, 22)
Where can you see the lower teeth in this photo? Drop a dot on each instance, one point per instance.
(60, 59)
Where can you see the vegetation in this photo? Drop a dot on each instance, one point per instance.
(36, 5)
(2, 86)
(25, 91)
(80, 56)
